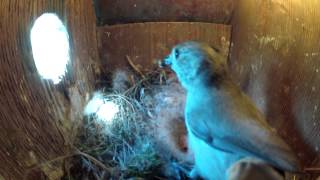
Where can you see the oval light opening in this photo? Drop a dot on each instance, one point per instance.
(50, 47)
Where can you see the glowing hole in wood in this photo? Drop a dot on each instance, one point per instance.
(50, 47)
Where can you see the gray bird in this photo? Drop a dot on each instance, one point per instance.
(224, 126)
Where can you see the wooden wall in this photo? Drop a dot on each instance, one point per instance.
(130, 11)
(275, 57)
(147, 43)
(33, 113)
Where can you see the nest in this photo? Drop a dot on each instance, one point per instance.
(127, 147)
(124, 145)
(130, 146)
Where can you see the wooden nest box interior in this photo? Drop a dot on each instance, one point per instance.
(272, 48)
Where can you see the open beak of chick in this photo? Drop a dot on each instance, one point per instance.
(166, 62)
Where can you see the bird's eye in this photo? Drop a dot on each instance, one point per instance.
(177, 53)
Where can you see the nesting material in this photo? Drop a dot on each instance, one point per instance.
(123, 145)
(145, 139)
(171, 131)
(121, 80)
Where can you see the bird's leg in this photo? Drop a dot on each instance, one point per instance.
(193, 174)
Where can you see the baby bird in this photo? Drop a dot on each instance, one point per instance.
(224, 126)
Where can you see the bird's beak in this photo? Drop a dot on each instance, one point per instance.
(166, 62)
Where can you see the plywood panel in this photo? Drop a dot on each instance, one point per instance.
(145, 43)
(135, 11)
(275, 58)
(33, 113)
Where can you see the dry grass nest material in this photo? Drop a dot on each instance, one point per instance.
(126, 147)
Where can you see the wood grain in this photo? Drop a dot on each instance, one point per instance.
(136, 11)
(146, 43)
(34, 114)
(275, 58)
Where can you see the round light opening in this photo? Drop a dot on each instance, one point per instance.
(50, 47)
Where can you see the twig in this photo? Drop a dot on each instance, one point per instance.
(45, 163)
(77, 153)
(159, 178)
(134, 67)
(129, 91)
(95, 161)
(312, 169)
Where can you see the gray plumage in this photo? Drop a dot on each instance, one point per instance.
(224, 125)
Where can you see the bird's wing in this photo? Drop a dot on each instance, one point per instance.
(241, 129)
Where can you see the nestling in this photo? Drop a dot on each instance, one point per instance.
(224, 126)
